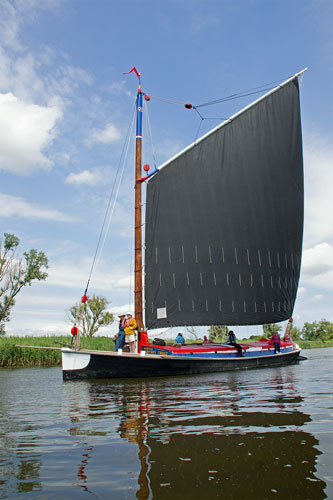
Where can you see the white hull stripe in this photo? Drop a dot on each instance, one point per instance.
(74, 360)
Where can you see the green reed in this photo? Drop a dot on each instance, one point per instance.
(314, 344)
(13, 357)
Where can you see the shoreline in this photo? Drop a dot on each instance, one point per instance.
(18, 357)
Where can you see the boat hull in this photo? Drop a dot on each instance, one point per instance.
(86, 364)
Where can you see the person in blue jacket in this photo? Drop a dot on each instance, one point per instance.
(121, 333)
(180, 339)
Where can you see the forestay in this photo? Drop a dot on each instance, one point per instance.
(224, 221)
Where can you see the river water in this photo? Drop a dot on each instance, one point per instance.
(256, 434)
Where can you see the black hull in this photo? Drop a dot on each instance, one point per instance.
(110, 365)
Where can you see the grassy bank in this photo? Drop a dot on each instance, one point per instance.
(314, 344)
(14, 357)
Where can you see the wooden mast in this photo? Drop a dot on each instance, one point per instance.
(138, 214)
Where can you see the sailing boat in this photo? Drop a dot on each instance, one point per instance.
(223, 243)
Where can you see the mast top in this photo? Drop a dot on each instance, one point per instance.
(138, 75)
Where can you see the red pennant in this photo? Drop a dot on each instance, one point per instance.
(135, 71)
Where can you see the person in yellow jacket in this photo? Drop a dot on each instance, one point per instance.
(130, 328)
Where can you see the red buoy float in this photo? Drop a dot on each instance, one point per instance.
(84, 299)
(74, 331)
(188, 106)
(146, 167)
(147, 97)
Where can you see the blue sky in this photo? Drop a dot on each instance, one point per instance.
(66, 107)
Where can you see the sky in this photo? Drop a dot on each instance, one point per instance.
(66, 110)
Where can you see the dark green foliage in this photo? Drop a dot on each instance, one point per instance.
(255, 338)
(16, 273)
(218, 333)
(91, 316)
(296, 333)
(2, 329)
(14, 357)
(269, 330)
(318, 330)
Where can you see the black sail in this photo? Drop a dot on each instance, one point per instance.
(224, 221)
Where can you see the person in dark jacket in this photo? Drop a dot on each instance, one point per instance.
(120, 342)
(231, 340)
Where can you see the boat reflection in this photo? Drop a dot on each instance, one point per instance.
(220, 437)
(134, 426)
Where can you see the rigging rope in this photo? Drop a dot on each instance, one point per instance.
(108, 214)
(149, 133)
(255, 90)
(245, 93)
(238, 95)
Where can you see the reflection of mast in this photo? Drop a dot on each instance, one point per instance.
(143, 491)
(81, 474)
(81, 468)
(134, 428)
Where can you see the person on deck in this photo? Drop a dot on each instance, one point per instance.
(276, 342)
(130, 327)
(206, 341)
(180, 339)
(231, 340)
(121, 333)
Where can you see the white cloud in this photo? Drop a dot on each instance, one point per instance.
(74, 274)
(317, 260)
(12, 15)
(105, 136)
(318, 161)
(86, 177)
(9, 25)
(25, 131)
(116, 87)
(319, 297)
(21, 75)
(317, 266)
(13, 206)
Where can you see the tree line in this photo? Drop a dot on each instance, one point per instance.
(317, 330)
(17, 272)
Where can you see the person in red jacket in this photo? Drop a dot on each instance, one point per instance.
(276, 342)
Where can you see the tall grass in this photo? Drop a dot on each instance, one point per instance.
(314, 344)
(14, 357)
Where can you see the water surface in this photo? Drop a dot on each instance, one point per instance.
(254, 434)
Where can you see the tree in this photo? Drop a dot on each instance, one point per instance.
(90, 316)
(218, 333)
(295, 333)
(191, 331)
(322, 330)
(269, 330)
(16, 273)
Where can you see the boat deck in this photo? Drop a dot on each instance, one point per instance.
(260, 348)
